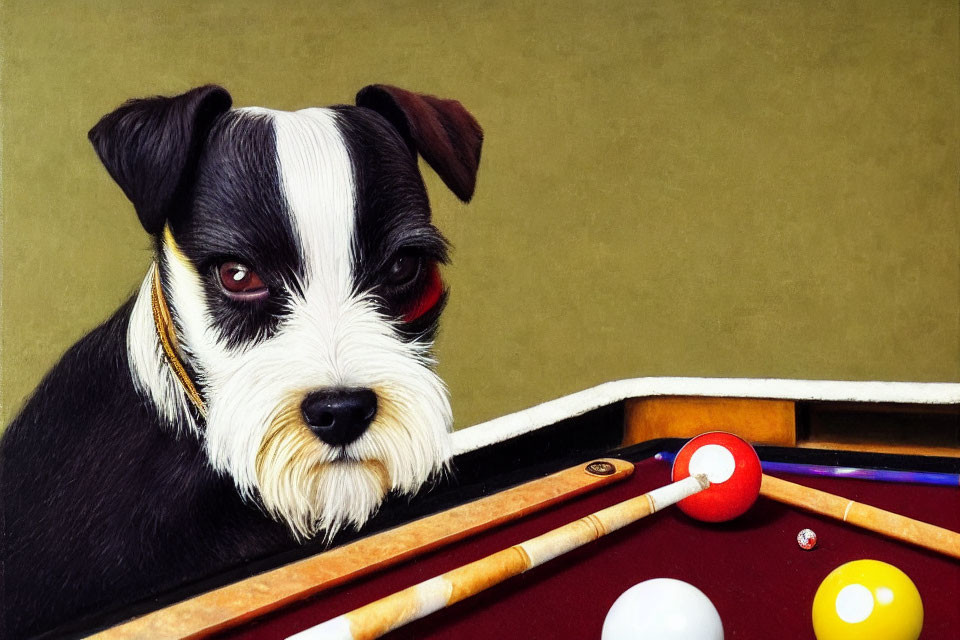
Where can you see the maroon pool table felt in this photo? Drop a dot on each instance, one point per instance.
(760, 580)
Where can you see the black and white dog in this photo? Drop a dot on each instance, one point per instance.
(272, 379)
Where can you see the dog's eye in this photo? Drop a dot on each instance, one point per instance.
(403, 270)
(429, 294)
(241, 282)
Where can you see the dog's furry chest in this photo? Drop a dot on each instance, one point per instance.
(90, 474)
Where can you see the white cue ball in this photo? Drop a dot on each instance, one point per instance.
(662, 609)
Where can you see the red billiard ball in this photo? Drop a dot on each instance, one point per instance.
(733, 469)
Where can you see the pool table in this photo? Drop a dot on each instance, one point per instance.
(760, 580)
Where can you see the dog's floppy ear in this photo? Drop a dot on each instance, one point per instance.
(442, 131)
(151, 146)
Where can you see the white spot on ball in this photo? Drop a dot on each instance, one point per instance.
(714, 461)
(884, 595)
(854, 603)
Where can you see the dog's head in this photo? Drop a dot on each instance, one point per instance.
(300, 268)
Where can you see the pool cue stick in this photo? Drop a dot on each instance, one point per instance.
(862, 515)
(240, 602)
(384, 615)
(880, 475)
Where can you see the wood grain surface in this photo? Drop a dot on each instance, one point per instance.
(247, 599)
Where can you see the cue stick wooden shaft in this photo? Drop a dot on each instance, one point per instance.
(233, 604)
(384, 615)
(862, 515)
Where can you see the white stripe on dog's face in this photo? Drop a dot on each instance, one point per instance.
(329, 335)
(317, 181)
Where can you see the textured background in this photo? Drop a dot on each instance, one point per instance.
(667, 188)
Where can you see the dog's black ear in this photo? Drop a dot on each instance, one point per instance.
(442, 131)
(151, 146)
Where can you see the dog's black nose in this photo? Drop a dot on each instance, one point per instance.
(339, 416)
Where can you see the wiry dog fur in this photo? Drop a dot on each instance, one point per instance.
(115, 485)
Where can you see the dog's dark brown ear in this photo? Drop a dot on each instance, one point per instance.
(151, 146)
(442, 131)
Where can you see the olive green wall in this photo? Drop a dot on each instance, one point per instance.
(667, 188)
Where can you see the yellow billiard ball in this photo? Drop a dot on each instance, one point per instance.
(867, 600)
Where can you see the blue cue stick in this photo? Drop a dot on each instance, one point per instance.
(881, 475)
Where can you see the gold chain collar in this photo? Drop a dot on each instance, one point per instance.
(168, 338)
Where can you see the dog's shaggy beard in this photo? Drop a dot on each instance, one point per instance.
(255, 431)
